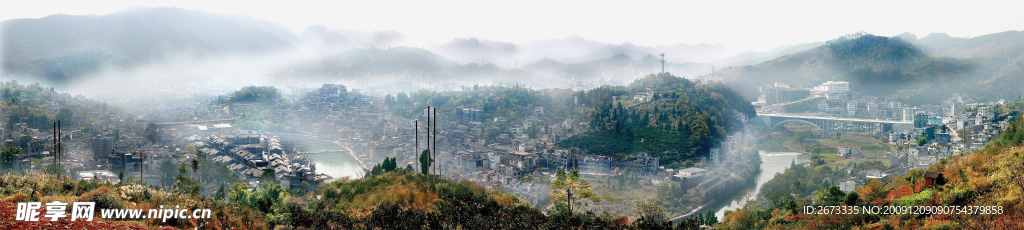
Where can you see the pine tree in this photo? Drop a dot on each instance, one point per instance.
(388, 165)
(425, 161)
(220, 193)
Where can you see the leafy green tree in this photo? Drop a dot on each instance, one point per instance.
(185, 184)
(239, 193)
(830, 195)
(709, 218)
(691, 223)
(389, 164)
(389, 101)
(120, 176)
(25, 139)
(1014, 134)
(779, 198)
(570, 190)
(651, 210)
(195, 168)
(152, 136)
(425, 161)
(7, 161)
(268, 177)
(258, 94)
(264, 199)
(268, 197)
(220, 193)
(852, 198)
(376, 170)
(65, 116)
(167, 173)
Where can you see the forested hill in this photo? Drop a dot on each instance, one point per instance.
(512, 102)
(679, 122)
(998, 60)
(64, 47)
(987, 67)
(661, 114)
(859, 59)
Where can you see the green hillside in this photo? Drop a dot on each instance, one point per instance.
(679, 123)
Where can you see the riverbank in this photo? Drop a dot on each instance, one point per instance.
(694, 212)
(333, 164)
(771, 163)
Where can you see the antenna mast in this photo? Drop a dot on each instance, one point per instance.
(663, 63)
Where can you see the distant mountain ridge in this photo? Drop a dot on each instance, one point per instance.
(752, 58)
(572, 49)
(64, 47)
(987, 67)
(357, 62)
(408, 63)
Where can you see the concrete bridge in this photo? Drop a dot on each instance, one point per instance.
(322, 151)
(167, 124)
(835, 124)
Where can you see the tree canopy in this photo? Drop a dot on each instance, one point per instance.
(255, 94)
(681, 121)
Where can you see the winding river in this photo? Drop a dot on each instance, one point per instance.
(771, 163)
(335, 164)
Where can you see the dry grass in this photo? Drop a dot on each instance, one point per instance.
(624, 199)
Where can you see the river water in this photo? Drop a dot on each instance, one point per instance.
(341, 164)
(771, 163)
(335, 164)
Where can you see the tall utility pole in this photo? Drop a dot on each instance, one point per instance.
(55, 146)
(663, 63)
(57, 156)
(142, 165)
(435, 142)
(428, 139)
(56, 149)
(416, 124)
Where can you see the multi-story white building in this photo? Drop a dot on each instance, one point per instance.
(986, 112)
(851, 108)
(836, 86)
(833, 90)
(872, 108)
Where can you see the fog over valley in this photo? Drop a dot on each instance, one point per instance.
(783, 114)
(161, 53)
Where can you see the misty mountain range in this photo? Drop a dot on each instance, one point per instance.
(988, 67)
(63, 48)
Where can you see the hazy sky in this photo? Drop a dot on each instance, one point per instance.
(758, 25)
